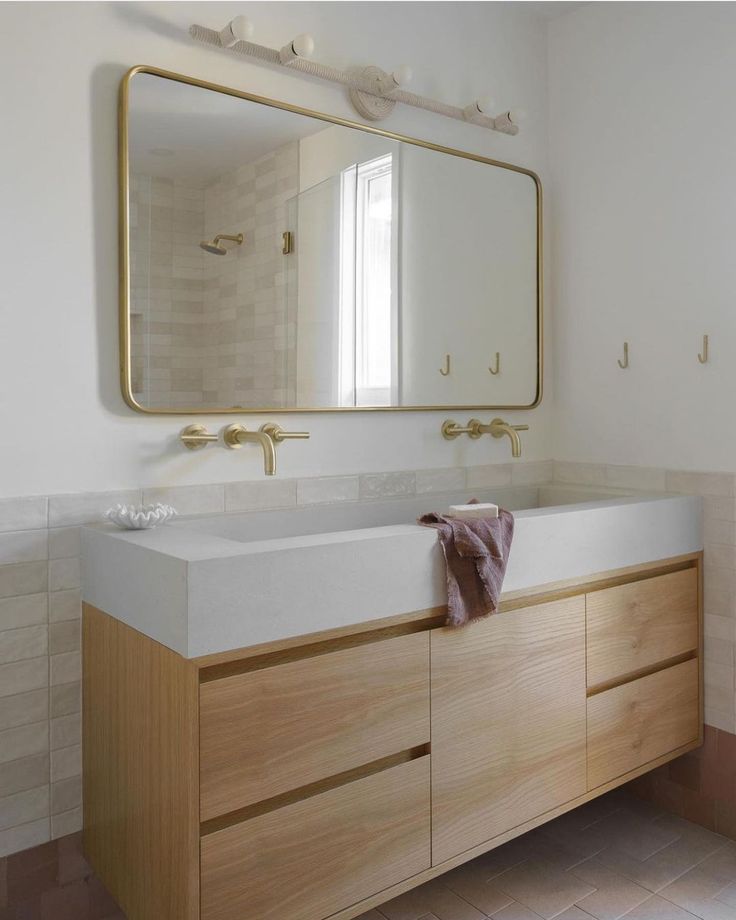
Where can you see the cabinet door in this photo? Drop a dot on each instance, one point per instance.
(508, 722)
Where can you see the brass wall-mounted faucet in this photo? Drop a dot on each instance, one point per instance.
(476, 429)
(268, 436)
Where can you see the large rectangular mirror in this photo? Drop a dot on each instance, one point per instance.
(276, 259)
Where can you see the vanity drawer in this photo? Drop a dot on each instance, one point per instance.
(311, 858)
(637, 722)
(635, 626)
(280, 728)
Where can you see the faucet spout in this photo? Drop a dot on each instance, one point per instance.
(237, 435)
(499, 429)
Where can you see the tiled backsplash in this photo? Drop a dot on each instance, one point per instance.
(40, 721)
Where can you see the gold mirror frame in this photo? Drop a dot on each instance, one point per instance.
(124, 269)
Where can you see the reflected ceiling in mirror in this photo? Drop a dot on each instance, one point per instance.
(275, 259)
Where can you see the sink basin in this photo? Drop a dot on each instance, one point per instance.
(212, 584)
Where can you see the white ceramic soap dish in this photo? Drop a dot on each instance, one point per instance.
(140, 517)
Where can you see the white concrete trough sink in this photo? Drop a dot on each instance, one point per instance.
(210, 584)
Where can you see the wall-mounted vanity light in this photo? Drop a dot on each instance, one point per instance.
(374, 92)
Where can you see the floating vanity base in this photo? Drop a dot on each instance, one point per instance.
(293, 778)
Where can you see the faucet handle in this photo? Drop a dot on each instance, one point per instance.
(520, 427)
(277, 433)
(195, 437)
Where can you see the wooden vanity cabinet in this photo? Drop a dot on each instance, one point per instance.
(319, 778)
(508, 722)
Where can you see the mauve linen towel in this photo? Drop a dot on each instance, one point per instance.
(476, 553)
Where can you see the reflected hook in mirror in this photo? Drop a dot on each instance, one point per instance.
(446, 369)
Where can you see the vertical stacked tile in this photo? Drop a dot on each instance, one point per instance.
(24, 674)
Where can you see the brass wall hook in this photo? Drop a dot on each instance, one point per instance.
(703, 356)
(446, 369)
(625, 363)
(494, 370)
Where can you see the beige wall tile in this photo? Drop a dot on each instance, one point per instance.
(65, 668)
(64, 542)
(65, 605)
(23, 546)
(66, 762)
(206, 499)
(69, 822)
(27, 610)
(256, 496)
(87, 507)
(24, 708)
(66, 731)
(327, 489)
(537, 471)
(490, 476)
(24, 741)
(693, 483)
(65, 637)
(66, 795)
(20, 644)
(20, 676)
(66, 699)
(451, 479)
(23, 774)
(24, 807)
(25, 836)
(592, 474)
(23, 513)
(64, 574)
(23, 578)
(387, 485)
(641, 478)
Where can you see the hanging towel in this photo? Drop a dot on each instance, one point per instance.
(476, 553)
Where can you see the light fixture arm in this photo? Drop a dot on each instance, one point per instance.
(382, 87)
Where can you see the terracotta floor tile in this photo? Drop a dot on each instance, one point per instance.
(695, 891)
(515, 912)
(721, 866)
(639, 837)
(657, 908)
(728, 895)
(478, 892)
(542, 889)
(614, 895)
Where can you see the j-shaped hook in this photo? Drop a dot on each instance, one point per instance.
(703, 356)
(497, 367)
(625, 363)
(446, 369)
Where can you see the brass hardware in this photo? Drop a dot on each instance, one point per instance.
(446, 369)
(497, 367)
(288, 242)
(277, 433)
(476, 429)
(703, 356)
(195, 437)
(236, 435)
(124, 246)
(625, 363)
(451, 430)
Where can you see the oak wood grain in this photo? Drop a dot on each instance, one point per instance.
(141, 822)
(320, 855)
(632, 627)
(508, 722)
(268, 731)
(639, 721)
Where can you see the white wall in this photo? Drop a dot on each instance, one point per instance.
(642, 145)
(64, 425)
